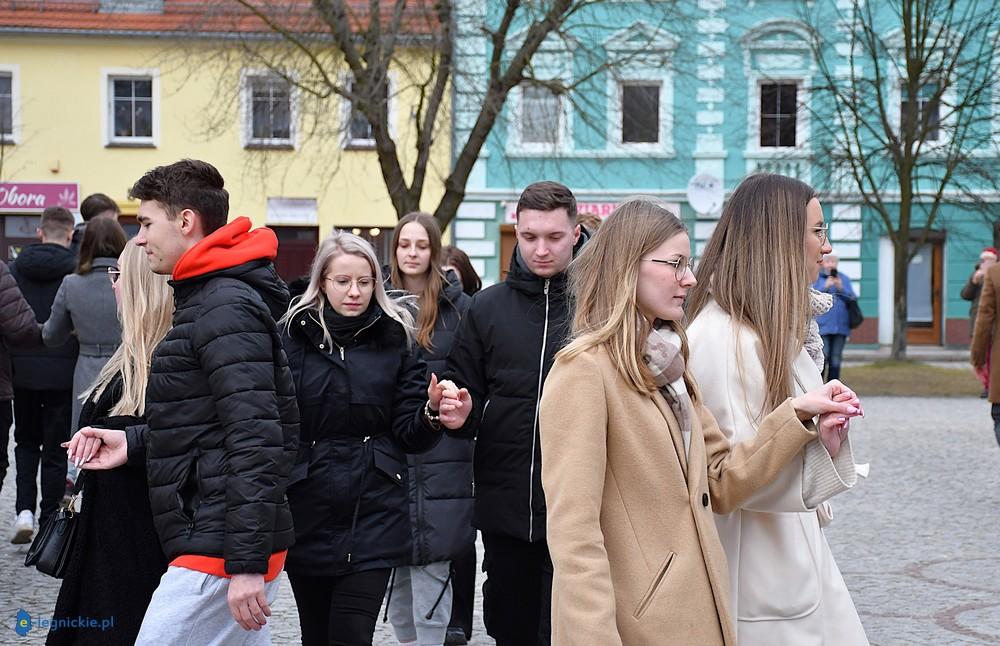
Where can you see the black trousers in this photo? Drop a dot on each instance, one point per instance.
(517, 594)
(42, 420)
(339, 610)
(463, 585)
(6, 421)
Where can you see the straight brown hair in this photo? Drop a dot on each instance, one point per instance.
(754, 267)
(428, 299)
(103, 238)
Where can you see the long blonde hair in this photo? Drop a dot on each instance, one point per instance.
(146, 311)
(341, 242)
(754, 267)
(603, 282)
(428, 298)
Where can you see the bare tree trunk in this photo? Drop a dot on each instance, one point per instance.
(900, 275)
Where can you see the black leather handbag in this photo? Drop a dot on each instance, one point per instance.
(51, 549)
(854, 315)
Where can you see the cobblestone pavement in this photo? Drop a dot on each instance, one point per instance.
(917, 541)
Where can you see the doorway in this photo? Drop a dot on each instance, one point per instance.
(924, 321)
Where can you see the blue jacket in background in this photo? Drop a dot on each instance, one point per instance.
(836, 320)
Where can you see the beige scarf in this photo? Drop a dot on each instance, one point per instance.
(665, 360)
(819, 303)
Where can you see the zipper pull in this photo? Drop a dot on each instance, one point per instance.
(348, 557)
(547, 286)
(367, 437)
(341, 352)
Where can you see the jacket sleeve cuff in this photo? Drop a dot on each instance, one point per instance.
(824, 477)
(135, 443)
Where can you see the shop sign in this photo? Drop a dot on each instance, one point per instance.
(24, 196)
(600, 209)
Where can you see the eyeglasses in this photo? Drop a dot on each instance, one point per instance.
(681, 265)
(343, 283)
(114, 274)
(821, 232)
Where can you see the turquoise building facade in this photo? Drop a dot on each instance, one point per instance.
(714, 89)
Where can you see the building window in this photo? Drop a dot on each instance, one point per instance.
(778, 107)
(132, 109)
(640, 113)
(360, 133)
(540, 119)
(270, 111)
(131, 6)
(6, 106)
(927, 109)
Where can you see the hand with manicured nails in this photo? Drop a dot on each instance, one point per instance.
(831, 397)
(247, 601)
(453, 404)
(97, 449)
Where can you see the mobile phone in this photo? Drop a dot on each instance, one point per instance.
(834, 273)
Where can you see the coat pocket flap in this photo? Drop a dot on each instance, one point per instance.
(390, 467)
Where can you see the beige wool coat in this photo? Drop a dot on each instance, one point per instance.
(631, 528)
(986, 334)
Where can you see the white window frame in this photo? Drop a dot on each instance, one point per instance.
(108, 76)
(516, 142)
(552, 62)
(803, 88)
(638, 76)
(14, 137)
(347, 142)
(247, 76)
(944, 120)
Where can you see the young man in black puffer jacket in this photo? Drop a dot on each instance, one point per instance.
(501, 354)
(222, 418)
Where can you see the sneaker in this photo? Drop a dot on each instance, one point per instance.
(455, 637)
(24, 526)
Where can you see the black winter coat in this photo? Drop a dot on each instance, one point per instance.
(362, 410)
(223, 421)
(39, 270)
(441, 484)
(18, 328)
(116, 561)
(502, 354)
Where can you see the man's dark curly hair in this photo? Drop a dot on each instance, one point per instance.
(187, 184)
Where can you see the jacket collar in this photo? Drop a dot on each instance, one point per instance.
(229, 246)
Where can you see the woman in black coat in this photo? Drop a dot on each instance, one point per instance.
(364, 403)
(420, 605)
(116, 562)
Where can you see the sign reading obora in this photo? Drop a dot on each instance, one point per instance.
(18, 196)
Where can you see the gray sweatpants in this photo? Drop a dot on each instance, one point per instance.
(414, 592)
(191, 607)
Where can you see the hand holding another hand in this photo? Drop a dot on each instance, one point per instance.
(453, 404)
(97, 448)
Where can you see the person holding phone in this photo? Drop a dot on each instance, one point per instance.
(834, 325)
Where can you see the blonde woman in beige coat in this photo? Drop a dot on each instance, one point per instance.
(634, 464)
(753, 344)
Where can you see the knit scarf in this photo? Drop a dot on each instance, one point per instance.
(819, 303)
(666, 362)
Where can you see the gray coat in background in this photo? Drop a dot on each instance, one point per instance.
(85, 303)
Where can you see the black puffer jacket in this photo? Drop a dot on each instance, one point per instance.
(223, 421)
(39, 271)
(18, 327)
(441, 485)
(502, 354)
(362, 410)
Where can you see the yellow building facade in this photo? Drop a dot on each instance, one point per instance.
(97, 111)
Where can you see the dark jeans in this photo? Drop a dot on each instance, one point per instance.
(833, 351)
(41, 424)
(517, 594)
(995, 411)
(463, 584)
(339, 610)
(6, 420)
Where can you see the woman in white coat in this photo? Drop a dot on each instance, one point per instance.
(753, 343)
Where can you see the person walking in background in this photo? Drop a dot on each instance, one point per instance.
(85, 304)
(43, 378)
(363, 393)
(634, 462)
(116, 561)
(750, 350)
(502, 354)
(834, 324)
(222, 421)
(985, 351)
(93, 206)
(455, 259)
(440, 479)
(971, 292)
(18, 328)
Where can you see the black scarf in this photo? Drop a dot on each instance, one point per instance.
(344, 328)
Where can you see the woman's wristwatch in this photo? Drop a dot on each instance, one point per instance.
(433, 417)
